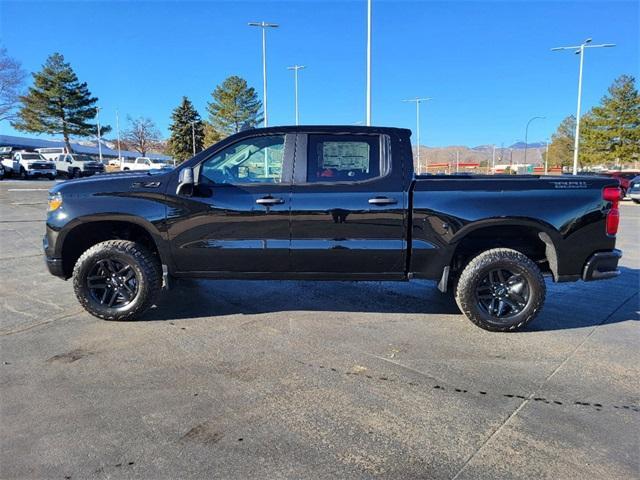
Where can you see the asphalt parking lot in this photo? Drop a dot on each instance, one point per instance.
(311, 379)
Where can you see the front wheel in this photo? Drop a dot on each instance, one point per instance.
(501, 290)
(117, 279)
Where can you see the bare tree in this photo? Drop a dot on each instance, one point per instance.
(12, 78)
(142, 134)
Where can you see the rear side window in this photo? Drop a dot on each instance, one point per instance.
(343, 158)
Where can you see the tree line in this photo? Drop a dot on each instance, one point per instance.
(57, 103)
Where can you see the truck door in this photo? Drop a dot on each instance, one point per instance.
(348, 212)
(237, 219)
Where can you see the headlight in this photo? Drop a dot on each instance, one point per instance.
(55, 201)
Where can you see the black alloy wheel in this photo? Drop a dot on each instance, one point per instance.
(503, 293)
(112, 283)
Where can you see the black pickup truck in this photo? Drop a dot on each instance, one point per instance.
(330, 203)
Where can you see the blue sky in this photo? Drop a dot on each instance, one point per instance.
(486, 64)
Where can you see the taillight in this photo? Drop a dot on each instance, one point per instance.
(612, 194)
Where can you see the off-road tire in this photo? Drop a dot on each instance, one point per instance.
(23, 173)
(478, 268)
(145, 266)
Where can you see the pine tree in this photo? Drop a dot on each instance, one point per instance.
(234, 106)
(562, 143)
(181, 141)
(611, 131)
(58, 103)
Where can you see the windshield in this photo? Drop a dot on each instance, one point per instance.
(31, 156)
(83, 158)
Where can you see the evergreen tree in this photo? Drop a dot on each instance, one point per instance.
(234, 105)
(181, 141)
(611, 130)
(562, 143)
(58, 103)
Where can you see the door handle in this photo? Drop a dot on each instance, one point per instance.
(382, 201)
(269, 201)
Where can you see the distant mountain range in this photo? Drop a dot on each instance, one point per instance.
(483, 154)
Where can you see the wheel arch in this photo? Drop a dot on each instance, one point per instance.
(537, 240)
(84, 233)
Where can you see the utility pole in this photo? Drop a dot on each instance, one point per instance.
(580, 51)
(368, 107)
(295, 69)
(457, 161)
(264, 26)
(417, 101)
(99, 139)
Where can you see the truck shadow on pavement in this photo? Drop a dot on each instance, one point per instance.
(568, 306)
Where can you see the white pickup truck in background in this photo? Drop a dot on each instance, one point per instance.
(141, 163)
(28, 165)
(74, 166)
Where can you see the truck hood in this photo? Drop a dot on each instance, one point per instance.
(108, 182)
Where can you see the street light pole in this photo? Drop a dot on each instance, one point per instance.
(526, 137)
(295, 69)
(99, 140)
(118, 132)
(193, 137)
(417, 101)
(580, 51)
(368, 107)
(493, 161)
(546, 158)
(264, 26)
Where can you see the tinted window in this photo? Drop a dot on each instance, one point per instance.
(252, 160)
(343, 158)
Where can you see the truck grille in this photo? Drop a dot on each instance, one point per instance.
(42, 166)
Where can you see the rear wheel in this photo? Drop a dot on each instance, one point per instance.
(501, 290)
(117, 279)
(23, 173)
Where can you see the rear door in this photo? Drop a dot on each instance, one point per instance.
(348, 212)
(238, 217)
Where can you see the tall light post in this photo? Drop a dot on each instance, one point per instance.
(99, 140)
(118, 132)
(418, 101)
(295, 69)
(546, 158)
(579, 50)
(526, 136)
(264, 26)
(193, 136)
(368, 107)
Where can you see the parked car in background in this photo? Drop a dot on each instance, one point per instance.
(52, 153)
(141, 163)
(624, 177)
(634, 189)
(75, 166)
(29, 165)
(1, 171)
(113, 162)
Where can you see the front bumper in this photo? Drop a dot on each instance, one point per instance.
(41, 173)
(602, 265)
(55, 267)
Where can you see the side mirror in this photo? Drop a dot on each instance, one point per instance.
(185, 182)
